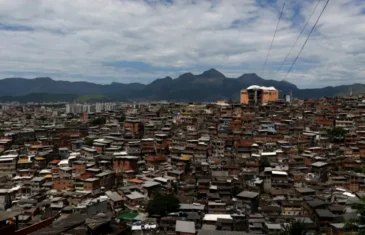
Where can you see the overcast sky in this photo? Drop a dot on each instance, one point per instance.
(138, 41)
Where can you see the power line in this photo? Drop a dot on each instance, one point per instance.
(306, 40)
(273, 38)
(295, 43)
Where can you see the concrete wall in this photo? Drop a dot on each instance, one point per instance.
(244, 97)
(35, 227)
(270, 96)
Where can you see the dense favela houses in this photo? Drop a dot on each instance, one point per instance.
(183, 168)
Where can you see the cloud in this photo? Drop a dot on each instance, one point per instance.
(137, 41)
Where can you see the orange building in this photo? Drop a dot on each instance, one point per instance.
(258, 95)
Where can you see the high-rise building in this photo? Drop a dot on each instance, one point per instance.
(98, 107)
(258, 95)
(68, 108)
(109, 106)
(89, 108)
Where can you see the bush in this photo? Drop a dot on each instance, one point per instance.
(163, 205)
(98, 121)
(337, 134)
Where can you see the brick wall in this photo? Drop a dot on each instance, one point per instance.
(62, 184)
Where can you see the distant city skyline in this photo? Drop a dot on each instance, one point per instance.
(104, 41)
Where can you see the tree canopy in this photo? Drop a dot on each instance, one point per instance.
(300, 148)
(264, 162)
(336, 134)
(163, 204)
(236, 190)
(357, 226)
(98, 121)
(122, 117)
(89, 141)
(294, 227)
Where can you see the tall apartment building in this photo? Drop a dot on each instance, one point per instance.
(109, 106)
(98, 107)
(258, 95)
(89, 108)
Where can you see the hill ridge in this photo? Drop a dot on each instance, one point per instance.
(208, 86)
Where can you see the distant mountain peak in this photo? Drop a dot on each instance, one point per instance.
(212, 73)
(44, 79)
(161, 80)
(250, 76)
(208, 86)
(186, 75)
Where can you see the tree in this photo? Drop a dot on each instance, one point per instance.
(98, 121)
(300, 148)
(70, 115)
(88, 141)
(187, 167)
(167, 150)
(264, 162)
(357, 226)
(236, 190)
(163, 205)
(122, 118)
(294, 227)
(43, 118)
(175, 187)
(336, 134)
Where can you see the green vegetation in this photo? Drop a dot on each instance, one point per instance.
(89, 141)
(90, 98)
(167, 150)
(336, 134)
(98, 121)
(357, 226)
(175, 187)
(122, 118)
(40, 97)
(208, 86)
(300, 148)
(236, 190)
(264, 162)
(295, 227)
(163, 205)
(70, 115)
(42, 118)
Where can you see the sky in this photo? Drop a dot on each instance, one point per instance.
(104, 41)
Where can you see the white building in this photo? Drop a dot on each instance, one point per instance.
(89, 108)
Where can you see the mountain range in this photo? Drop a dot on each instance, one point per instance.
(211, 85)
